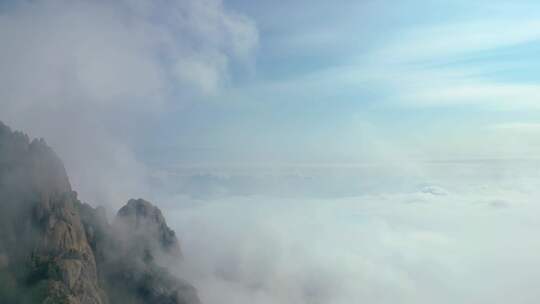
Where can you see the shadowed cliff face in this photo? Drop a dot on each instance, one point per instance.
(133, 254)
(55, 249)
(47, 257)
(144, 230)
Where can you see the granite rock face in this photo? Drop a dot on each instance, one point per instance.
(56, 249)
(145, 245)
(62, 246)
(143, 225)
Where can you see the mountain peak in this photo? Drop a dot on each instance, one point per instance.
(56, 249)
(146, 223)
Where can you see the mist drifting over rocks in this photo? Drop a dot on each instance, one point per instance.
(304, 152)
(56, 249)
(94, 77)
(398, 243)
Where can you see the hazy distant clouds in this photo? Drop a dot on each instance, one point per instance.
(474, 244)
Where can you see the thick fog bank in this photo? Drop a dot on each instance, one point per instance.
(469, 237)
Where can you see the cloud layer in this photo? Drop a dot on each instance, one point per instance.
(467, 234)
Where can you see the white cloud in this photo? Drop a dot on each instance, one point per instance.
(441, 41)
(517, 127)
(384, 247)
(495, 96)
(89, 75)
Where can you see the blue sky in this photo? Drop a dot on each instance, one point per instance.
(145, 84)
(341, 81)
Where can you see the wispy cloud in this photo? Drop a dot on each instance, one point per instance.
(444, 42)
(517, 126)
(445, 65)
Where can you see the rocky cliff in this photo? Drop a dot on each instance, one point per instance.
(56, 249)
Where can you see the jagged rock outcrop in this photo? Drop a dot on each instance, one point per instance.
(145, 245)
(55, 249)
(132, 254)
(63, 247)
(43, 238)
(145, 231)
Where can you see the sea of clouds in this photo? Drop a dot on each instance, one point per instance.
(457, 232)
(92, 76)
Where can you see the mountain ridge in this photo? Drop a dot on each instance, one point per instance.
(56, 249)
